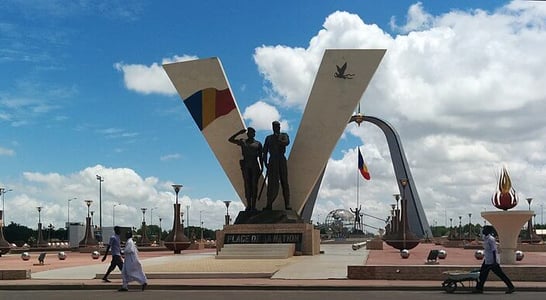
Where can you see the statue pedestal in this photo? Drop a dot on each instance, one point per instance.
(508, 225)
(305, 237)
(268, 217)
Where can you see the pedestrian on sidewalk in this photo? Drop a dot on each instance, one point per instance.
(114, 245)
(132, 268)
(491, 262)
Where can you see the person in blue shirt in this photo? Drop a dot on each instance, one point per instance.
(114, 245)
(490, 262)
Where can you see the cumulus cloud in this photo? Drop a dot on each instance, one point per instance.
(463, 89)
(149, 79)
(122, 187)
(261, 114)
(6, 152)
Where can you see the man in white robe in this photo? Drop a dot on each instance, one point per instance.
(132, 268)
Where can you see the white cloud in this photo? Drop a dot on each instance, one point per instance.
(260, 116)
(149, 79)
(291, 71)
(170, 157)
(121, 186)
(464, 91)
(6, 152)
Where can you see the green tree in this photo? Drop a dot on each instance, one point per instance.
(18, 234)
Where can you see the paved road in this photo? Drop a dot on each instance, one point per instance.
(262, 295)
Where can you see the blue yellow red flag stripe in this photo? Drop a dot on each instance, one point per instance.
(208, 104)
(362, 166)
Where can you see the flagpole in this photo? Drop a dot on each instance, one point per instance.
(358, 194)
(357, 185)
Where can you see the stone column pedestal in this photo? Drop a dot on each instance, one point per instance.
(508, 225)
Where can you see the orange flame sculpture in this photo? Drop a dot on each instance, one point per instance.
(505, 197)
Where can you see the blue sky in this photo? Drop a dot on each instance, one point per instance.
(82, 93)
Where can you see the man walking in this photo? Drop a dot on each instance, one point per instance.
(115, 246)
(132, 269)
(490, 262)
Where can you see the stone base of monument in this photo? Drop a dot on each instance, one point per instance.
(304, 236)
(267, 217)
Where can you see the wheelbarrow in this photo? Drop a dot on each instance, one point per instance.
(455, 278)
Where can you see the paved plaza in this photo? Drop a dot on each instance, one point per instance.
(199, 269)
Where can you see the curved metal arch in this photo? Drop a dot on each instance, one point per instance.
(416, 215)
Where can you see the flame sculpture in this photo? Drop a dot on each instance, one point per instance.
(505, 197)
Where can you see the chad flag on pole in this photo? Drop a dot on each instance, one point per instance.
(362, 166)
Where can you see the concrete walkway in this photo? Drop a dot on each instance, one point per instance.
(330, 265)
(200, 270)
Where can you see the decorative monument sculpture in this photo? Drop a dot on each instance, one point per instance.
(507, 223)
(251, 164)
(89, 238)
(176, 240)
(144, 240)
(416, 218)
(341, 80)
(397, 233)
(530, 235)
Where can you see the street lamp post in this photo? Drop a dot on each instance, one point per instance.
(469, 226)
(144, 241)
(152, 219)
(114, 214)
(40, 242)
(529, 201)
(201, 225)
(188, 216)
(460, 228)
(68, 212)
(160, 230)
(176, 240)
(151, 215)
(89, 237)
(100, 179)
(68, 218)
(227, 217)
(3, 191)
(404, 183)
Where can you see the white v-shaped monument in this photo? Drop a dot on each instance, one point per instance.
(341, 80)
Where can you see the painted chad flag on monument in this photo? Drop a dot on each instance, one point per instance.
(362, 166)
(208, 104)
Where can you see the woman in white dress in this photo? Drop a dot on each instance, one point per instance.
(132, 268)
